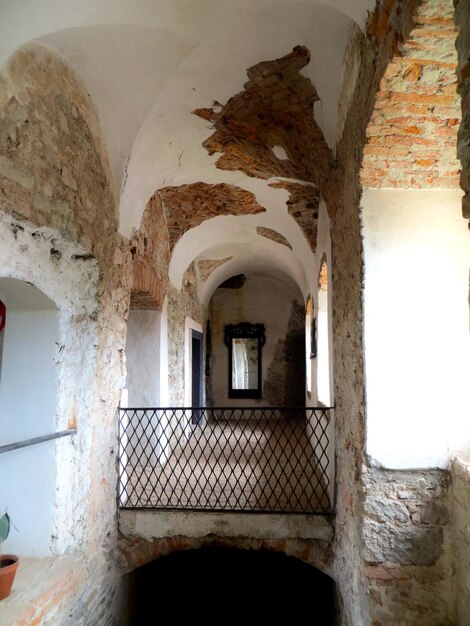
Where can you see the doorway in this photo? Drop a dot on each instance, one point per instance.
(196, 375)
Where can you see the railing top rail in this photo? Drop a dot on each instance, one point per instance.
(228, 408)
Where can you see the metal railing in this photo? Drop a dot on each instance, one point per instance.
(226, 459)
(35, 440)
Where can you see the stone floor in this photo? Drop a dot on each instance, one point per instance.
(245, 466)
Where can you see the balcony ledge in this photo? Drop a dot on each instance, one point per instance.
(152, 524)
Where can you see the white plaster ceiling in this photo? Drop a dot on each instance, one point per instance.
(148, 64)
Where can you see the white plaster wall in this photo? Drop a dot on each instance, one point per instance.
(143, 358)
(417, 258)
(323, 251)
(262, 300)
(323, 349)
(164, 354)
(28, 396)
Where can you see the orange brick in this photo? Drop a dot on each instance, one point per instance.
(425, 162)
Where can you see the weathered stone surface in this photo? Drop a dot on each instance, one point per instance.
(408, 545)
(406, 536)
(40, 163)
(181, 304)
(460, 469)
(284, 384)
(16, 172)
(55, 179)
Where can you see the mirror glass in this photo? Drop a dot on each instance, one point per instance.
(244, 342)
(245, 363)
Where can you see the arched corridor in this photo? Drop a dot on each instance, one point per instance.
(248, 221)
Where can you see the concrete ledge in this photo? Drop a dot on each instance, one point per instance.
(41, 588)
(151, 525)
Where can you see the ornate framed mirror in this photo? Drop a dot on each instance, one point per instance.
(244, 342)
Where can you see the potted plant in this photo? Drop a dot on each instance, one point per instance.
(8, 562)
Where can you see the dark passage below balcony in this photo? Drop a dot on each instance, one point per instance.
(226, 459)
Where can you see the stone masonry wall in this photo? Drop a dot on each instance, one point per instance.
(461, 539)
(462, 19)
(406, 540)
(181, 304)
(397, 526)
(55, 183)
(387, 27)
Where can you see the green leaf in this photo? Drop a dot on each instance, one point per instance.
(4, 526)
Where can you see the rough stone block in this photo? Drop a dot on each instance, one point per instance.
(16, 172)
(404, 545)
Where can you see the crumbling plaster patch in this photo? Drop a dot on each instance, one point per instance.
(275, 110)
(274, 235)
(187, 206)
(205, 267)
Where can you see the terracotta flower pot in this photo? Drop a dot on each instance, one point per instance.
(8, 566)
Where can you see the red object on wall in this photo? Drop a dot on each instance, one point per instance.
(3, 316)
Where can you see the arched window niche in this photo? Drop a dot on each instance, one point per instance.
(48, 379)
(308, 344)
(28, 398)
(323, 348)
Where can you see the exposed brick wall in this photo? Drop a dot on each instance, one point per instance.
(205, 267)
(275, 109)
(303, 206)
(150, 252)
(133, 553)
(412, 134)
(462, 18)
(273, 235)
(187, 206)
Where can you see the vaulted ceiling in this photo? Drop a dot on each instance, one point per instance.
(216, 105)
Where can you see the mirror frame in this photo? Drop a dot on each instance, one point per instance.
(244, 330)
